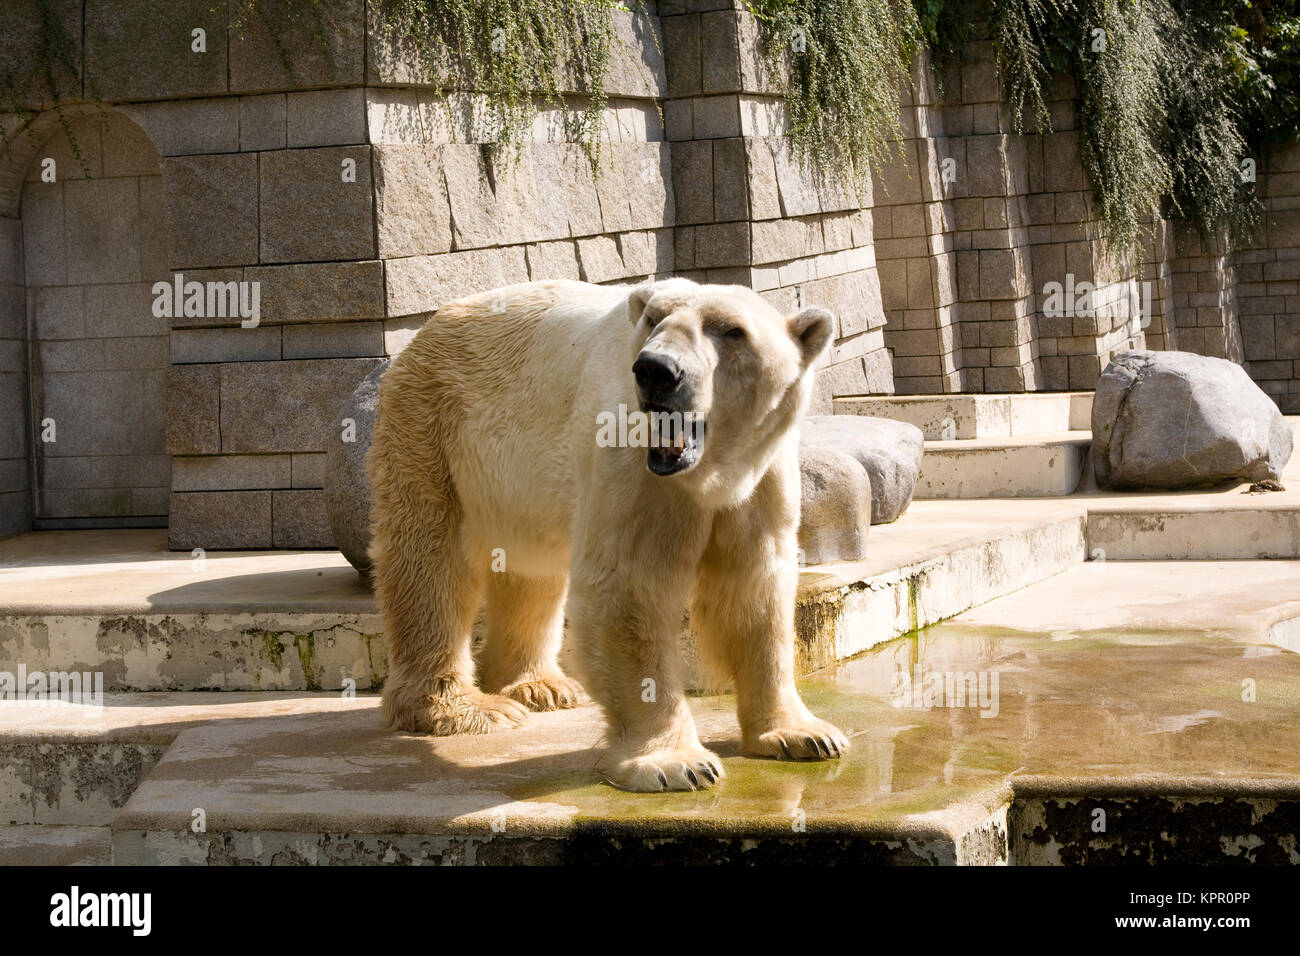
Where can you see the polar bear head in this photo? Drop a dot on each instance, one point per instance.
(727, 373)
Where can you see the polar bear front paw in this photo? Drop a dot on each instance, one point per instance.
(545, 693)
(686, 769)
(807, 739)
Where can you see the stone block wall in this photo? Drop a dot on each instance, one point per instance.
(745, 212)
(914, 221)
(1268, 285)
(1205, 296)
(976, 225)
(1067, 250)
(358, 211)
(989, 226)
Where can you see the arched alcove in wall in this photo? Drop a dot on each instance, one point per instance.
(93, 241)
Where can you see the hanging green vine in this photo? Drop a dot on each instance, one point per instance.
(842, 64)
(1173, 97)
(1122, 68)
(1027, 55)
(508, 52)
(511, 52)
(1207, 131)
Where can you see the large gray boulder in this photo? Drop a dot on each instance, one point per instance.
(1179, 420)
(835, 507)
(889, 450)
(347, 489)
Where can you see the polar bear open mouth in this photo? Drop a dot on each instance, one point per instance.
(677, 438)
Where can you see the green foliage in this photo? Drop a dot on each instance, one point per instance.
(944, 28)
(844, 63)
(1025, 48)
(1170, 102)
(512, 51)
(1207, 130)
(1121, 65)
(1172, 96)
(1262, 45)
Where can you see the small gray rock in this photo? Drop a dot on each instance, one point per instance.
(1179, 420)
(347, 488)
(835, 506)
(889, 450)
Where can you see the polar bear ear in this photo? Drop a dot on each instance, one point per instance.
(812, 329)
(637, 300)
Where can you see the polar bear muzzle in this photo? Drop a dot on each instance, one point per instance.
(676, 432)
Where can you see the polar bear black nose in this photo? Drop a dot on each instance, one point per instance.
(656, 375)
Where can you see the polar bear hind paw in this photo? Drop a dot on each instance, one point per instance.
(470, 713)
(545, 693)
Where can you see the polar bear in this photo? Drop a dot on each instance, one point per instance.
(493, 473)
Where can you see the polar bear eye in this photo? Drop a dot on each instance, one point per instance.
(734, 332)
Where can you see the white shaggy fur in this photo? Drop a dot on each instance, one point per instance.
(485, 448)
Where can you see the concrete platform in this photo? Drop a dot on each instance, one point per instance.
(958, 417)
(1140, 723)
(1120, 688)
(148, 619)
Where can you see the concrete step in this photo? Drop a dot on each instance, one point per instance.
(1028, 466)
(1224, 523)
(955, 417)
(1154, 532)
(946, 556)
(1000, 775)
(76, 764)
(343, 790)
(119, 604)
(65, 845)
